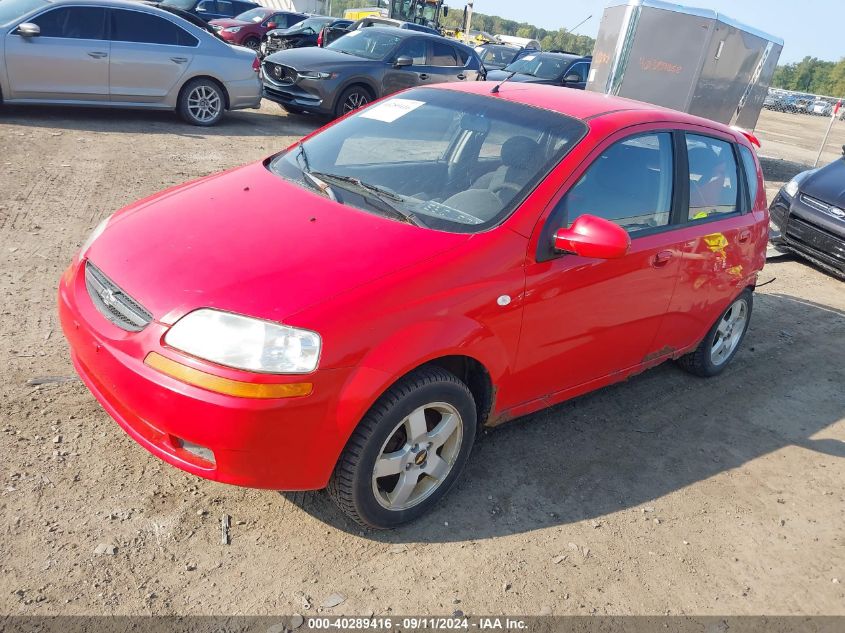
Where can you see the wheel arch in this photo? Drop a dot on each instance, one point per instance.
(219, 83)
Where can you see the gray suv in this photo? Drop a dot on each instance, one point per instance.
(121, 54)
(362, 66)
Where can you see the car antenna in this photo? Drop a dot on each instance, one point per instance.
(495, 89)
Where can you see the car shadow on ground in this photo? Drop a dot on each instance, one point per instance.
(632, 443)
(779, 170)
(268, 121)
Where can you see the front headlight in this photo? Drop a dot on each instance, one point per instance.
(790, 189)
(233, 29)
(245, 343)
(313, 74)
(97, 232)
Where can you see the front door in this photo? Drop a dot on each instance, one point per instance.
(149, 56)
(68, 61)
(588, 320)
(416, 74)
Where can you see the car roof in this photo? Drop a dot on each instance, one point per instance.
(580, 104)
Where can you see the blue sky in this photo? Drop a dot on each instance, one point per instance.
(808, 27)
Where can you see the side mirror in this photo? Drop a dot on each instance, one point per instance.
(445, 11)
(403, 61)
(272, 25)
(572, 78)
(590, 236)
(28, 29)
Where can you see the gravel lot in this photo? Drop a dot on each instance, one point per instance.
(665, 494)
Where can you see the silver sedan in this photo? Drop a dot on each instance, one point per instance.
(118, 53)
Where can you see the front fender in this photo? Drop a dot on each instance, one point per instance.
(409, 348)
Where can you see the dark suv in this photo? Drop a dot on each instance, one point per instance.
(363, 66)
(213, 9)
(557, 69)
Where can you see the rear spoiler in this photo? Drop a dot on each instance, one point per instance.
(751, 138)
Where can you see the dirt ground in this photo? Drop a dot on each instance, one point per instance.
(665, 494)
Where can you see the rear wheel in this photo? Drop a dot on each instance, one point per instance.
(351, 99)
(202, 102)
(408, 450)
(722, 341)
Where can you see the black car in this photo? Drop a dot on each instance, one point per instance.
(497, 56)
(363, 66)
(807, 216)
(334, 31)
(213, 9)
(299, 35)
(558, 69)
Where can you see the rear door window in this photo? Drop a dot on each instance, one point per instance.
(79, 23)
(135, 26)
(630, 184)
(443, 54)
(713, 176)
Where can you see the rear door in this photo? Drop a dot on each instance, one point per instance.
(68, 61)
(588, 321)
(149, 56)
(445, 63)
(720, 239)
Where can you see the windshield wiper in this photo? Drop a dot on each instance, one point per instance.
(376, 192)
(317, 183)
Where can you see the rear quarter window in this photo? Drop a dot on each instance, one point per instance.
(750, 167)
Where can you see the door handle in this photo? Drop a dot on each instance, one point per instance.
(179, 60)
(97, 54)
(661, 259)
(462, 76)
(423, 76)
(744, 236)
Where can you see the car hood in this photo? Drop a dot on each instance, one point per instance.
(312, 58)
(500, 75)
(247, 241)
(227, 22)
(827, 184)
(290, 31)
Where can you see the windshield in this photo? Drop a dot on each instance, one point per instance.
(366, 43)
(441, 159)
(185, 5)
(542, 66)
(253, 15)
(10, 10)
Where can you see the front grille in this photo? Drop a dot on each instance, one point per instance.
(113, 303)
(818, 239)
(282, 75)
(818, 205)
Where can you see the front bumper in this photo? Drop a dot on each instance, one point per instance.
(294, 95)
(807, 231)
(283, 444)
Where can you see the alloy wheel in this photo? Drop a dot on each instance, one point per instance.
(418, 456)
(729, 332)
(354, 101)
(204, 104)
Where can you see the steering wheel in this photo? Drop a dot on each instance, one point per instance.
(505, 186)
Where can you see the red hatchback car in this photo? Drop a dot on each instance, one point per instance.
(347, 314)
(248, 28)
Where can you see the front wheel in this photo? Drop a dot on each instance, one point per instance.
(252, 43)
(722, 341)
(408, 450)
(202, 102)
(351, 99)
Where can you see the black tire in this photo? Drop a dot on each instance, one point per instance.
(360, 95)
(353, 487)
(703, 362)
(253, 43)
(188, 107)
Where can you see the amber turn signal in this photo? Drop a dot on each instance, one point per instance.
(225, 386)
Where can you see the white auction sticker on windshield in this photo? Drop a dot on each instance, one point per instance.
(390, 111)
(528, 58)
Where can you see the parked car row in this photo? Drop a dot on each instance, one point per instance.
(800, 104)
